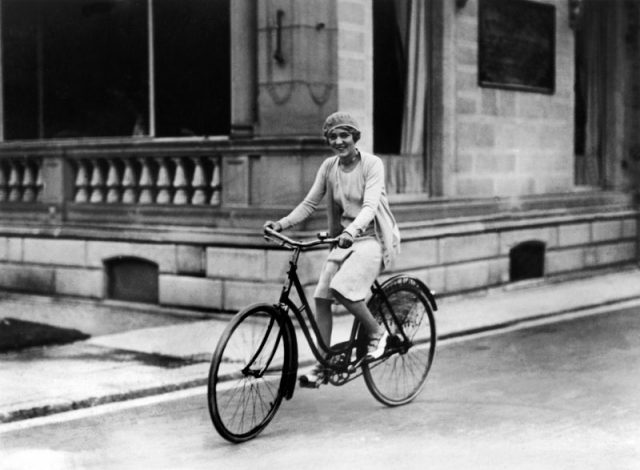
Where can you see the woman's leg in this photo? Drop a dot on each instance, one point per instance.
(377, 334)
(325, 319)
(318, 375)
(360, 310)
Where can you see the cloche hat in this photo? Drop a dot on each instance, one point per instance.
(339, 119)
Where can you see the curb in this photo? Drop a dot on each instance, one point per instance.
(533, 318)
(50, 409)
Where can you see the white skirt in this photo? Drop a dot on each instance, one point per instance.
(351, 271)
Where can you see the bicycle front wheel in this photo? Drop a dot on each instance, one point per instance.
(247, 374)
(399, 378)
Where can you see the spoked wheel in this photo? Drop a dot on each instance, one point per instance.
(247, 374)
(398, 378)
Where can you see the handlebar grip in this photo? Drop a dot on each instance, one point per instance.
(278, 235)
(270, 231)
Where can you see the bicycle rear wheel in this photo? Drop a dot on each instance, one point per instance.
(247, 374)
(397, 379)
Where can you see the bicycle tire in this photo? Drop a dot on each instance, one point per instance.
(397, 379)
(247, 374)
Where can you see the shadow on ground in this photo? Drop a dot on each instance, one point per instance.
(18, 334)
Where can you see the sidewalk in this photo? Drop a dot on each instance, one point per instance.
(173, 354)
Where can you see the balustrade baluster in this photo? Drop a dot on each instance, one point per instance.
(175, 180)
(113, 183)
(128, 183)
(180, 184)
(145, 183)
(28, 184)
(163, 184)
(215, 183)
(3, 184)
(97, 183)
(15, 192)
(82, 183)
(39, 182)
(199, 183)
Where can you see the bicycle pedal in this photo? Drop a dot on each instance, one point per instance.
(313, 379)
(305, 383)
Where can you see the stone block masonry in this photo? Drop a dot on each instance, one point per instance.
(79, 282)
(451, 259)
(510, 142)
(185, 291)
(27, 278)
(54, 252)
(355, 64)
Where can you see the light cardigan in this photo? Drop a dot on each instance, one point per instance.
(375, 205)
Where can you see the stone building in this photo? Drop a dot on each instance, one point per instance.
(144, 142)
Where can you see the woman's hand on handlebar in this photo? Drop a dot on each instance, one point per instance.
(275, 226)
(345, 240)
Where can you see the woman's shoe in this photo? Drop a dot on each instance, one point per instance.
(377, 346)
(316, 377)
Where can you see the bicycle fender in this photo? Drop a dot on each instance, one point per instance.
(430, 297)
(291, 343)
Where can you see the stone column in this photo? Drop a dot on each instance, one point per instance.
(243, 66)
(298, 66)
(313, 59)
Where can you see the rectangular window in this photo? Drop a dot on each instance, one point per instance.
(192, 62)
(389, 64)
(516, 45)
(81, 68)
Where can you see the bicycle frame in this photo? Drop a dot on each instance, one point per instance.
(304, 315)
(323, 352)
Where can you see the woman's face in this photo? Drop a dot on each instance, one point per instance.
(341, 141)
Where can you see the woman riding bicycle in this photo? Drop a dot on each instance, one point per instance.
(368, 237)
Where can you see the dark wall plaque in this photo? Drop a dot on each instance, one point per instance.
(516, 45)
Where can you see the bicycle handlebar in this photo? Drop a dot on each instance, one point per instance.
(283, 240)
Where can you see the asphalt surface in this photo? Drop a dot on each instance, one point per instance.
(562, 394)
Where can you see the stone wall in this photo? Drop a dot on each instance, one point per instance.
(450, 258)
(511, 142)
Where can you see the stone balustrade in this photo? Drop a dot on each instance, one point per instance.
(21, 180)
(177, 180)
(69, 177)
(150, 179)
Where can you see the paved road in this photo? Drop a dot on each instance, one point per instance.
(561, 395)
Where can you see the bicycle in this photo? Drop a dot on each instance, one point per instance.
(255, 364)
